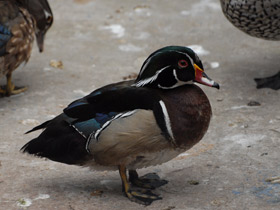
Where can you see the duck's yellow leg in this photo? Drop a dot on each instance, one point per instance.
(2, 92)
(145, 197)
(10, 87)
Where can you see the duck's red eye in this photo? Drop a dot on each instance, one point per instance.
(49, 19)
(182, 64)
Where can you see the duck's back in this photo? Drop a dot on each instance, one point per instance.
(16, 36)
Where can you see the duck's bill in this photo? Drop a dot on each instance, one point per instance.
(40, 40)
(202, 78)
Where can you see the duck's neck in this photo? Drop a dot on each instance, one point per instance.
(189, 112)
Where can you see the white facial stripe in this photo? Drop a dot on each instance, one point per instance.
(179, 82)
(187, 56)
(175, 75)
(147, 62)
(150, 79)
(47, 14)
(167, 119)
(144, 67)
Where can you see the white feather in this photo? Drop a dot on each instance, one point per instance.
(167, 119)
(179, 82)
(96, 134)
(150, 79)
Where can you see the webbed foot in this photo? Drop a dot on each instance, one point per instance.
(10, 88)
(11, 91)
(148, 181)
(145, 197)
(141, 196)
(272, 82)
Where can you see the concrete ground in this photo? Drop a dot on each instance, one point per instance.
(100, 42)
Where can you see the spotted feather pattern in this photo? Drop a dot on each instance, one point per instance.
(258, 18)
(16, 36)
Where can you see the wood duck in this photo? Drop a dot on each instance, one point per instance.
(19, 21)
(258, 18)
(133, 124)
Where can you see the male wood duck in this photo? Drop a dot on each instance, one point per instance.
(133, 124)
(19, 21)
(258, 18)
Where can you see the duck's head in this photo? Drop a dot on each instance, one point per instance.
(173, 66)
(42, 13)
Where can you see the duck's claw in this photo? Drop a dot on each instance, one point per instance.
(10, 88)
(148, 181)
(17, 90)
(141, 196)
(145, 197)
(8, 91)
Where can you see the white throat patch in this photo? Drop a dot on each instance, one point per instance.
(179, 82)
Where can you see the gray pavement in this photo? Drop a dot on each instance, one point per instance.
(100, 42)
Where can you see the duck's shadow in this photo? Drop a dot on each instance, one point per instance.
(77, 185)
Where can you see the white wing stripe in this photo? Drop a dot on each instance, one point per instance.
(96, 134)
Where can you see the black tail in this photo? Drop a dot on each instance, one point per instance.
(58, 142)
(43, 125)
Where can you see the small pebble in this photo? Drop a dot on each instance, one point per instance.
(273, 180)
(130, 76)
(254, 103)
(193, 182)
(24, 202)
(56, 64)
(96, 193)
(244, 126)
(170, 207)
